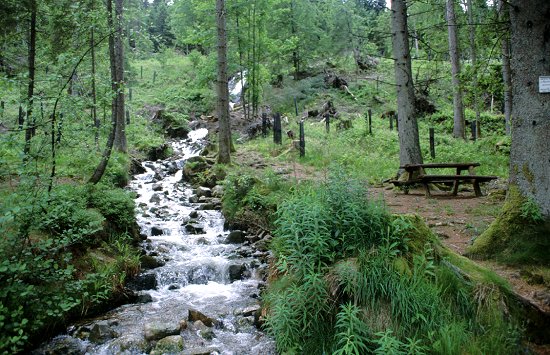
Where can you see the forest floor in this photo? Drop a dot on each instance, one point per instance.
(456, 220)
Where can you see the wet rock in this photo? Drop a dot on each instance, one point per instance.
(101, 332)
(148, 262)
(207, 207)
(159, 330)
(194, 214)
(136, 167)
(156, 231)
(235, 237)
(236, 272)
(170, 344)
(217, 191)
(173, 287)
(144, 298)
(143, 282)
(195, 315)
(204, 331)
(172, 168)
(194, 228)
(251, 310)
(155, 198)
(201, 351)
(157, 187)
(194, 167)
(65, 345)
(131, 343)
(203, 241)
(203, 192)
(194, 199)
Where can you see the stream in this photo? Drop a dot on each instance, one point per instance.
(200, 295)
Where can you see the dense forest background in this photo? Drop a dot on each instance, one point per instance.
(89, 88)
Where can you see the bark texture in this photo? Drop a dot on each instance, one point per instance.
(506, 71)
(530, 151)
(454, 54)
(409, 143)
(118, 102)
(30, 89)
(224, 139)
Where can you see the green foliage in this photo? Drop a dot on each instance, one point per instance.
(346, 264)
(116, 205)
(530, 210)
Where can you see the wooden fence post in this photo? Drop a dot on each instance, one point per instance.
(302, 140)
(127, 116)
(473, 125)
(20, 118)
(370, 121)
(296, 106)
(327, 122)
(277, 134)
(432, 143)
(264, 124)
(391, 122)
(396, 122)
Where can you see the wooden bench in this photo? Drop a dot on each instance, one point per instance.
(417, 175)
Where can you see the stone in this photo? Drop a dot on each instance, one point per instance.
(543, 296)
(173, 287)
(201, 351)
(207, 207)
(65, 345)
(157, 187)
(194, 214)
(251, 310)
(170, 344)
(194, 228)
(131, 343)
(217, 191)
(203, 241)
(155, 198)
(155, 231)
(204, 331)
(195, 315)
(236, 272)
(235, 237)
(159, 330)
(101, 332)
(202, 191)
(143, 282)
(144, 298)
(194, 199)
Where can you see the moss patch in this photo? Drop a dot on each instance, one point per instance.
(513, 238)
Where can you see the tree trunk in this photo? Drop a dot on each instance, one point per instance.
(95, 119)
(30, 91)
(454, 53)
(409, 143)
(473, 57)
(295, 53)
(102, 166)
(529, 159)
(506, 71)
(240, 46)
(118, 107)
(224, 155)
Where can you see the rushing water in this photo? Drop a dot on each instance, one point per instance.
(196, 275)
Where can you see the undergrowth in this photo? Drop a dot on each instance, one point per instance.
(353, 279)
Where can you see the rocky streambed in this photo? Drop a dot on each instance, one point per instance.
(200, 287)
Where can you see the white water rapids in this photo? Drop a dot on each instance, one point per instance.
(195, 275)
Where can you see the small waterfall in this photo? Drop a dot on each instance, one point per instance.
(236, 88)
(203, 296)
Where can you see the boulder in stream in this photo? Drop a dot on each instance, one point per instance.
(143, 282)
(235, 237)
(195, 315)
(159, 330)
(236, 272)
(101, 332)
(155, 231)
(131, 343)
(170, 344)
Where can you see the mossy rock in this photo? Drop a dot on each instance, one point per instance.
(514, 238)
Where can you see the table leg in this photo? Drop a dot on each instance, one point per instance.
(427, 188)
(477, 189)
(455, 183)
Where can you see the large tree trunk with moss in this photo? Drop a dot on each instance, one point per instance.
(506, 71)
(521, 232)
(409, 143)
(454, 54)
(224, 155)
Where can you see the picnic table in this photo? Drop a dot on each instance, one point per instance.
(417, 175)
